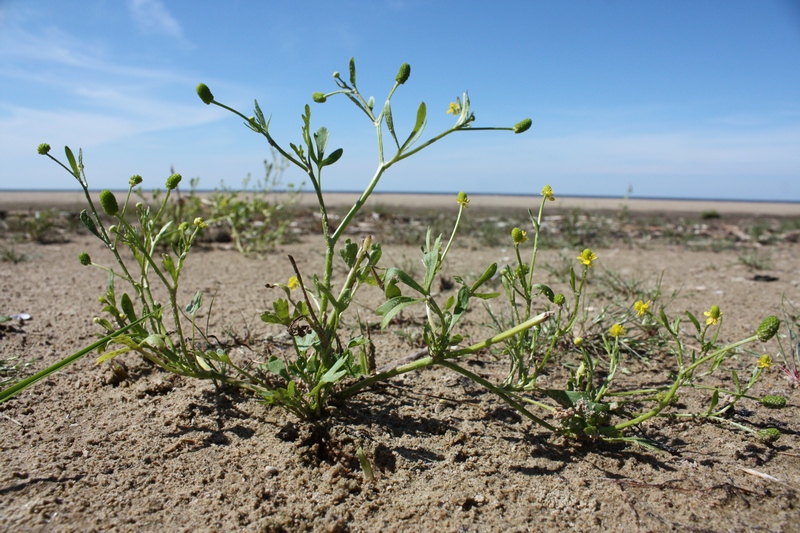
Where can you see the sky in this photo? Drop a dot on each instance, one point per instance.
(681, 99)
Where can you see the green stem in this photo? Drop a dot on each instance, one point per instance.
(25, 383)
(498, 391)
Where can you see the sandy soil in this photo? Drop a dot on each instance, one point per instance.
(84, 451)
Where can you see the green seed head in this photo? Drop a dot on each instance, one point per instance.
(84, 258)
(319, 98)
(403, 73)
(768, 328)
(770, 434)
(522, 126)
(559, 299)
(519, 236)
(109, 203)
(773, 402)
(205, 93)
(135, 180)
(173, 181)
(43, 149)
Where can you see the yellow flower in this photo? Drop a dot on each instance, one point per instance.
(578, 341)
(616, 330)
(547, 192)
(714, 315)
(293, 283)
(765, 361)
(519, 236)
(641, 307)
(463, 199)
(587, 257)
(200, 223)
(454, 108)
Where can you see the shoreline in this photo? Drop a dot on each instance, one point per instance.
(31, 200)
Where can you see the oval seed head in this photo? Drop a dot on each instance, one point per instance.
(113, 228)
(109, 203)
(204, 93)
(462, 199)
(84, 258)
(519, 236)
(559, 299)
(43, 149)
(522, 126)
(768, 328)
(135, 180)
(173, 181)
(770, 434)
(403, 73)
(773, 402)
(319, 98)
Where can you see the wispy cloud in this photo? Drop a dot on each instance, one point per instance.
(153, 18)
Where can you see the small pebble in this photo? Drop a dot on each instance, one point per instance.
(271, 471)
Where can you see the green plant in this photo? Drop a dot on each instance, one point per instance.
(534, 331)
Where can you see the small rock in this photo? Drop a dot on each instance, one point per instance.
(271, 471)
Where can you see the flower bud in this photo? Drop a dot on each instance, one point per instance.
(183, 227)
(84, 258)
(463, 199)
(768, 328)
(198, 222)
(403, 73)
(205, 93)
(578, 341)
(519, 236)
(43, 149)
(173, 181)
(135, 180)
(773, 402)
(109, 203)
(319, 98)
(113, 228)
(522, 126)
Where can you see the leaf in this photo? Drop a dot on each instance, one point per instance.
(277, 366)
(544, 289)
(169, 266)
(387, 112)
(154, 341)
(349, 252)
(332, 158)
(405, 278)
(486, 295)
(419, 126)
(694, 321)
(127, 307)
(486, 276)
(391, 307)
(714, 400)
(281, 314)
(321, 140)
(197, 301)
(334, 374)
(88, 223)
(353, 71)
(736, 381)
(72, 163)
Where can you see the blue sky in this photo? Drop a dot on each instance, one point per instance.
(688, 99)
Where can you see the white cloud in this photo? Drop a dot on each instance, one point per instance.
(153, 18)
